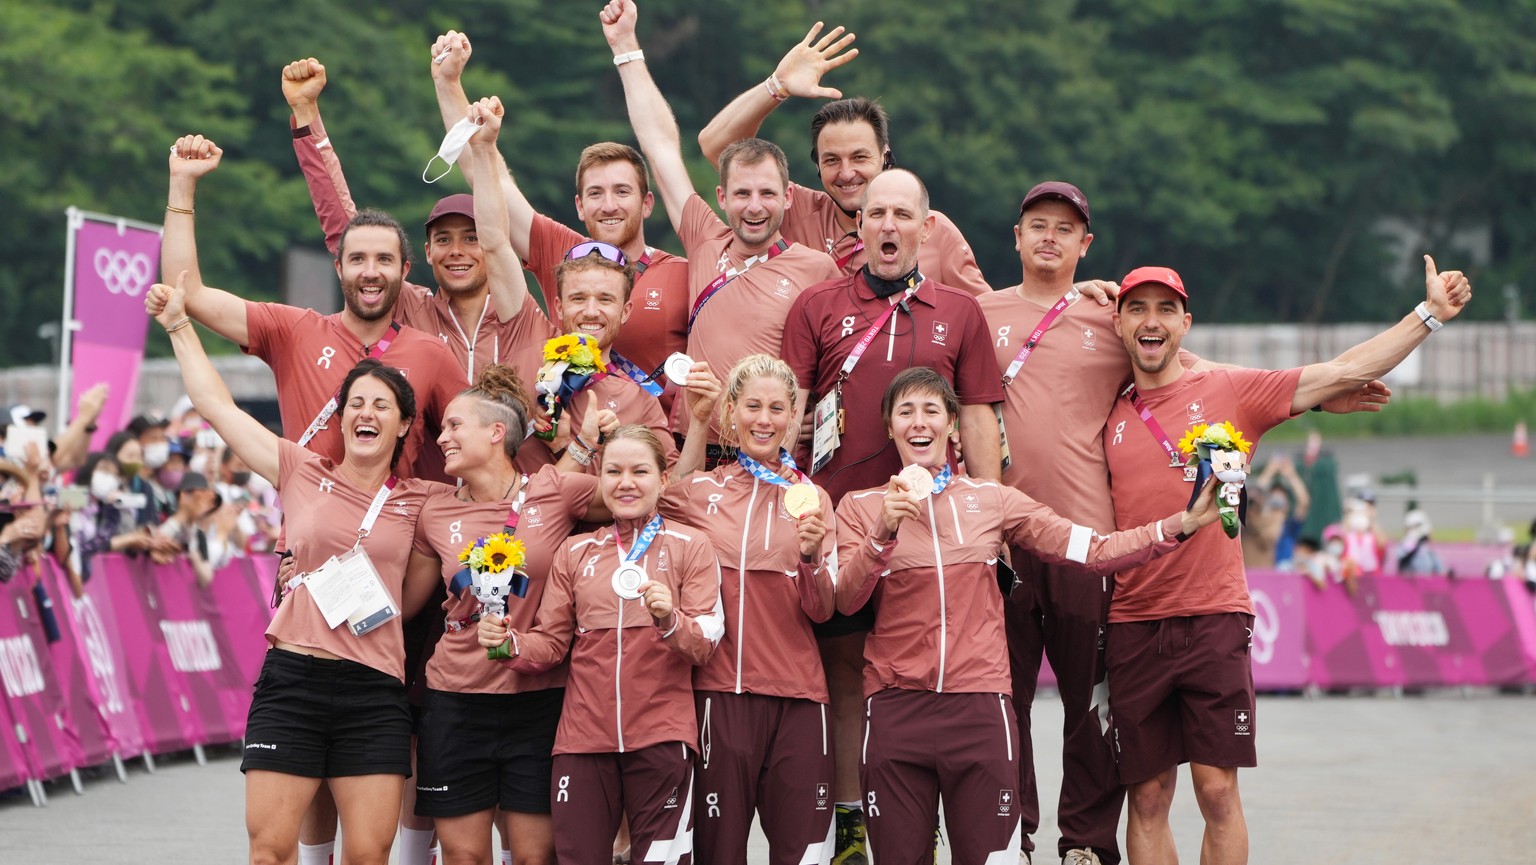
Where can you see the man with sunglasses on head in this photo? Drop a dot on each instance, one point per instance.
(593, 286)
(482, 320)
(851, 145)
(743, 274)
(613, 200)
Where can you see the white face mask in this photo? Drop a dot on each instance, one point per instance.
(156, 454)
(1335, 549)
(103, 486)
(453, 145)
(1358, 522)
(199, 464)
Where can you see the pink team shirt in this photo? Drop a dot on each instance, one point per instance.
(658, 320)
(747, 315)
(310, 354)
(551, 506)
(1205, 575)
(945, 255)
(770, 597)
(494, 340)
(324, 511)
(630, 685)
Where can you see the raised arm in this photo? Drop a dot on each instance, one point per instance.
(503, 271)
(74, 443)
(192, 158)
(450, 54)
(701, 396)
(1445, 296)
(649, 114)
(798, 74)
(303, 81)
(252, 442)
(1054, 538)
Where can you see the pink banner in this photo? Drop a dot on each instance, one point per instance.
(166, 714)
(83, 702)
(13, 761)
(32, 691)
(188, 631)
(238, 606)
(97, 647)
(1278, 649)
(114, 265)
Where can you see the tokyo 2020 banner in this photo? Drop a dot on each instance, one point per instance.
(114, 262)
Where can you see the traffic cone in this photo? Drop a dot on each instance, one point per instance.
(1520, 444)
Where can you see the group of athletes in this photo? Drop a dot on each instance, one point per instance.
(807, 573)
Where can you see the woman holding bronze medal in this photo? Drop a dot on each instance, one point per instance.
(938, 719)
(330, 701)
(487, 732)
(762, 698)
(636, 606)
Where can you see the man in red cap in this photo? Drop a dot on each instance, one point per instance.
(1180, 676)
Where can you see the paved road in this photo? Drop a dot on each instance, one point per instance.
(1437, 779)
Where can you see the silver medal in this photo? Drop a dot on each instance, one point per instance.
(677, 367)
(627, 581)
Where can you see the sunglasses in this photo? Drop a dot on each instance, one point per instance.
(599, 248)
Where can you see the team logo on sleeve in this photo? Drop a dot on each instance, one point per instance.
(1004, 802)
(823, 795)
(671, 799)
(972, 503)
(940, 332)
(1242, 722)
(663, 561)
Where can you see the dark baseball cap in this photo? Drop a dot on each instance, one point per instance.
(461, 203)
(1057, 189)
(138, 425)
(1153, 274)
(193, 481)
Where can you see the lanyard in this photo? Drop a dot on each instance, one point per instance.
(869, 337)
(377, 506)
(330, 407)
(858, 247)
(462, 579)
(1152, 425)
(762, 472)
(642, 540)
(1034, 339)
(942, 479)
(643, 263)
(647, 381)
(720, 281)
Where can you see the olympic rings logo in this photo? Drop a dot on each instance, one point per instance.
(1266, 627)
(123, 273)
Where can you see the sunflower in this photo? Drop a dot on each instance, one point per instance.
(502, 551)
(559, 347)
(1187, 443)
(1234, 437)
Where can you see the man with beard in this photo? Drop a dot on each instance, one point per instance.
(467, 302)
(743, 274)
(851, 145)
(311, 353)
(613, 200)
(846, 340)
(1180, 676)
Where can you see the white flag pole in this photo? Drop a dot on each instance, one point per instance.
(68, 326)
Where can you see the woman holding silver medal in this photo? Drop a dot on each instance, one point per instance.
(330, 700)
(636, 606)
(925, 545)
(762, 698)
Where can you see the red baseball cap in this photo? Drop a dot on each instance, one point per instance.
(1057, 189)
(461, 203)
(1153, 274)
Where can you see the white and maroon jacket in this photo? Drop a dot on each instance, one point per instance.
(630, 684)
(770, 596)
(939, 614)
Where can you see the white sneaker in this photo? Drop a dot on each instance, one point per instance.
(1024, 857)
(1081, 856)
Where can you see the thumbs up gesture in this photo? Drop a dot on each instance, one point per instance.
(1445, 293)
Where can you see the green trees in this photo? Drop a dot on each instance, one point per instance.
(1256, 145)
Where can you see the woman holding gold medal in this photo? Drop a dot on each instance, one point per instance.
(330, 701)
(762, 698)
(636, 606)
(938, 719)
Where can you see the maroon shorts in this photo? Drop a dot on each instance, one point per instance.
(1181, 691)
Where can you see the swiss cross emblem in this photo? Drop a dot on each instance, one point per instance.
(1004, 802)
(940, 331)
(1197, 407)
(653, 294)
(1242, 722)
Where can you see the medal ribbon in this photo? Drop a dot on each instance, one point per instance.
(642, 540)
(635, 374)
(1034, 338)
(1153, 426)
(764, 474)
(721, 280)
(329, 409)
(942, 479)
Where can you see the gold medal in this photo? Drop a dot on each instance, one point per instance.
(801, 499)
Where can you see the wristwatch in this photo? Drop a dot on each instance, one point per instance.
(1429, 320)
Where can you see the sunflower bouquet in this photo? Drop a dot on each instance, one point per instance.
(1220, 449)
(570, 361)
(492, 563)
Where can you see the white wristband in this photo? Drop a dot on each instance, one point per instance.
(1429, 320)
(621, 59)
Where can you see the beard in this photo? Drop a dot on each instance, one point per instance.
(351, 295)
